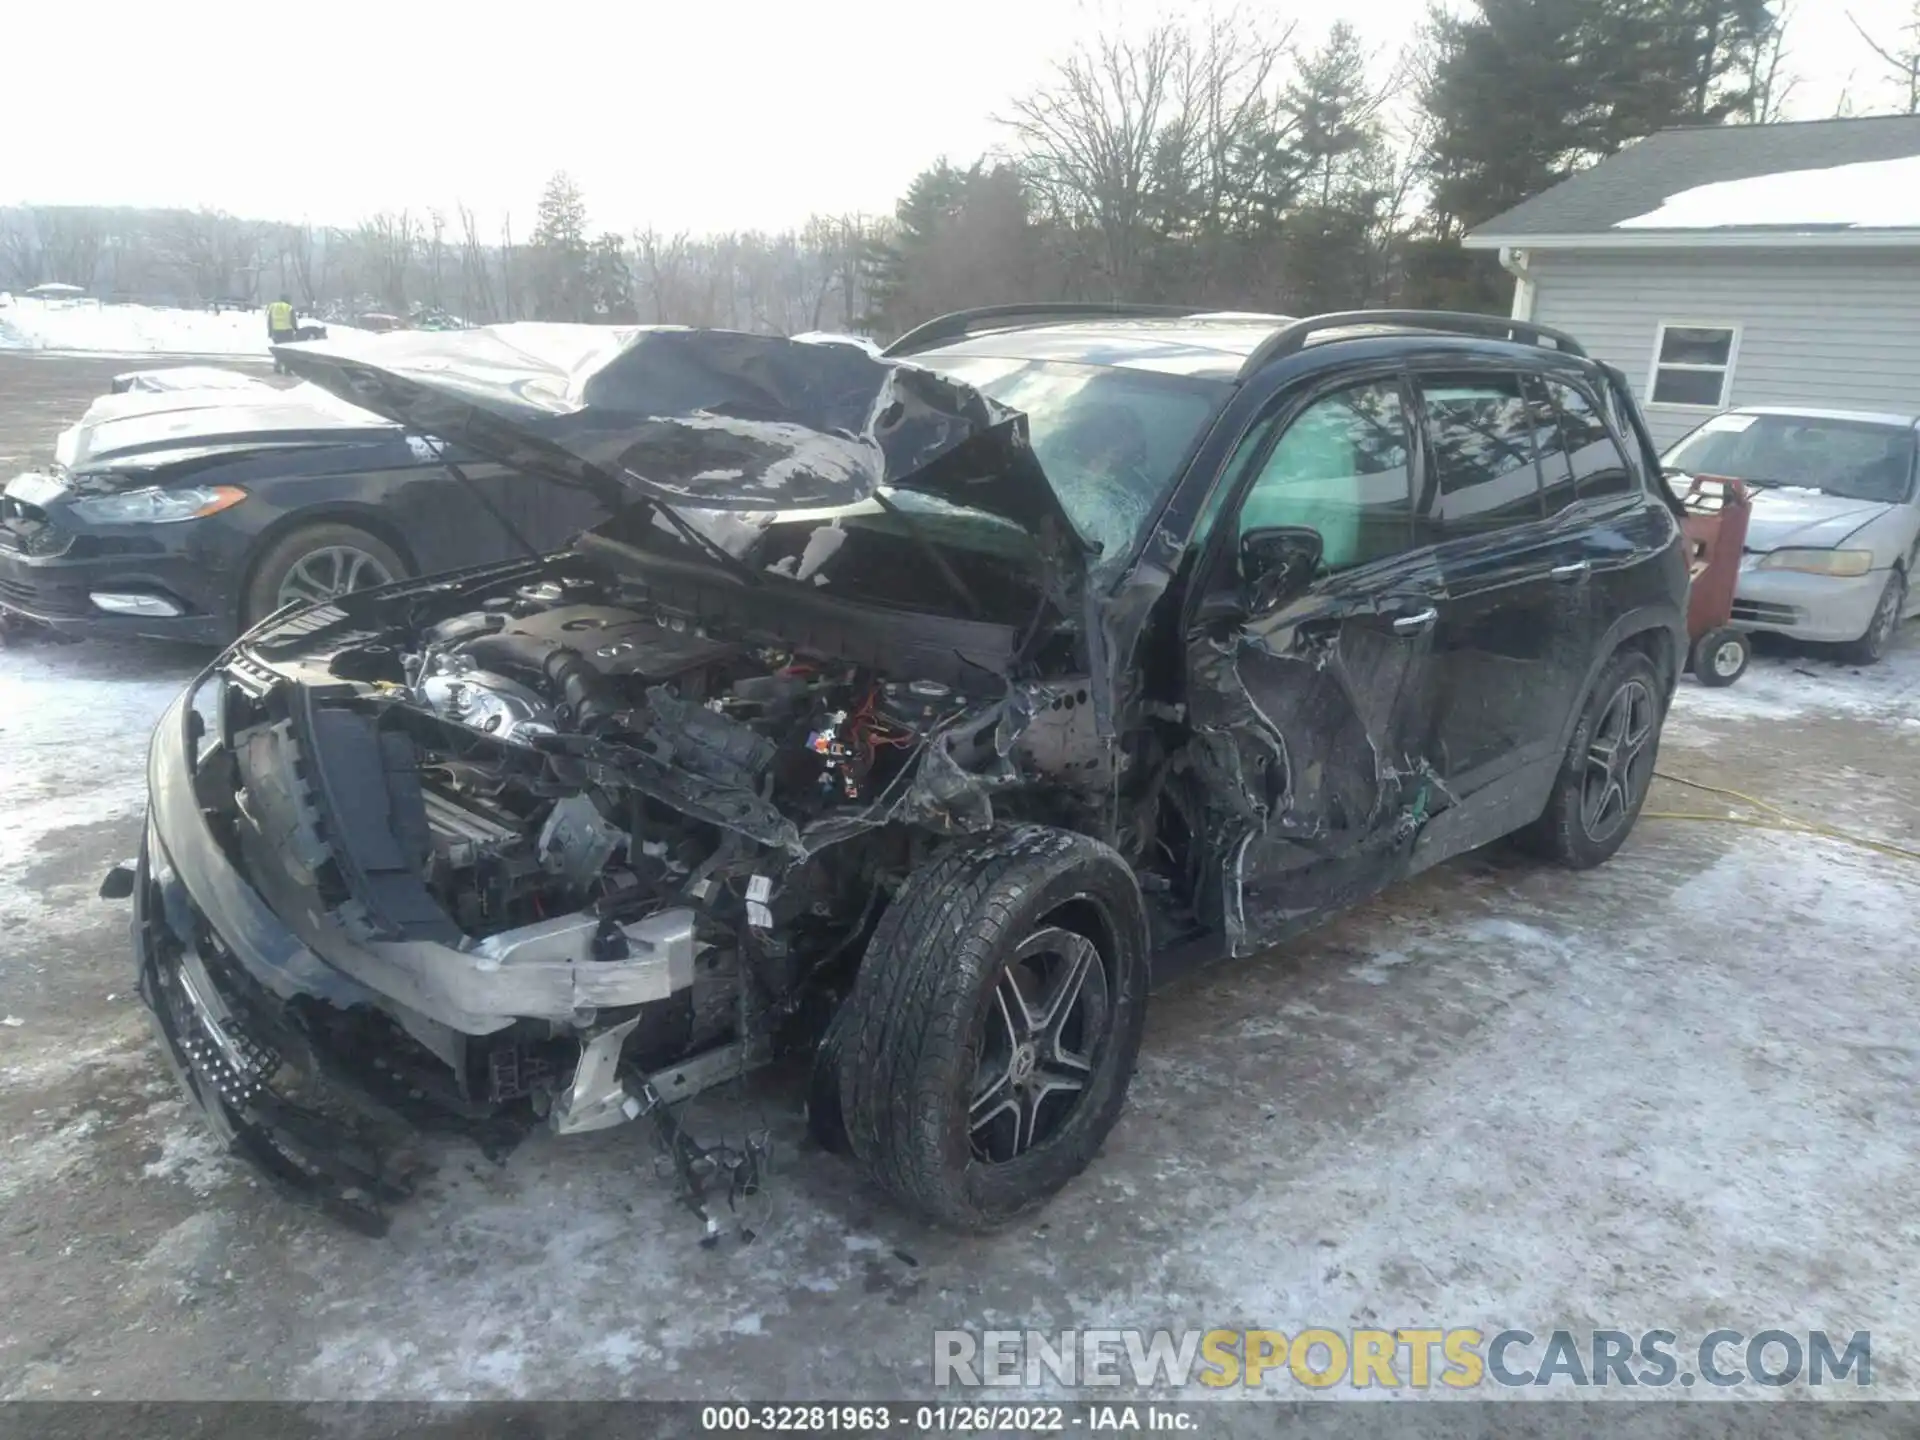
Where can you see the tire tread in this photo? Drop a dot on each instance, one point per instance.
(915, 999)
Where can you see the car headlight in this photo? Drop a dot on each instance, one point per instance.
(1820, 562)
(157, 506)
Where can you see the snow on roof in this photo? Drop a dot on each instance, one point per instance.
(1873, 195)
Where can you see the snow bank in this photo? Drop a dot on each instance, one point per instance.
(90, 327)
(1875, 194)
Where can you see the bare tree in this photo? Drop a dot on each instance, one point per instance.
(850, 260)
(71, 240)
(509, 304)
(300, 258)
(1400, 166)
(20, 250)
(1843, 106)
(1088, 138)
(1157, 141)
(663, 264)
(388, 243)
(436, 258)
(476, 280)
(1769, 84)
(216, 254)
(1900, 56)
(1226, 74)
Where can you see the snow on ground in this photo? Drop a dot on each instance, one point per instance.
(1784, 686)
(74, 722)
(1677, 1091)
(89, 327)
(1875, 194)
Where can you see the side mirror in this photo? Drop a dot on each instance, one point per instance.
(1277, 566)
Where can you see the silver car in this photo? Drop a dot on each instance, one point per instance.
(1835, 525)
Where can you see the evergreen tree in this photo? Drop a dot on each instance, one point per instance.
(562, 262)
(921, 213)
(1524, 93)
(610, 282)
(1334, 143)
(960, 238)
(1332, 109)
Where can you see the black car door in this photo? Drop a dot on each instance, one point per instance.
(1514, 635)
(1598, 503)
(1307, 646)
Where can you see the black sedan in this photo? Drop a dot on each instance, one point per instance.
(190, 514)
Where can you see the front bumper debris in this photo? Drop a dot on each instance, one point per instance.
(227, 1042)
(323, 1077)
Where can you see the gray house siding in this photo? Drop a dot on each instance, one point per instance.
(1815, 328)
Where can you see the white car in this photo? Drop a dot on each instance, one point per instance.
(1832, 541)
(184, 377)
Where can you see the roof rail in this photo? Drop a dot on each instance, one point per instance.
(962, 323)
(1449, 322)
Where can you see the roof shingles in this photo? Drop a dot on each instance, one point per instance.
(1641, 177)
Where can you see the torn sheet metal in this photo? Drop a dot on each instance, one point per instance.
(711, 419)
(1292, 838)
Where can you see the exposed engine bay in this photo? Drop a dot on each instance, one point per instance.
(570, 839)
(573, 840)
(806, 737)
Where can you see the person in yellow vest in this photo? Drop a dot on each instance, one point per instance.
(280, 329)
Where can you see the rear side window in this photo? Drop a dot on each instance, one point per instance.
(1578, 457)
(1341, 469)
(1481, 429)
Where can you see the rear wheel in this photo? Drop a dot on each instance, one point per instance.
(319, 562)
(1607, 770)
(995, 1024)
(1871, 647)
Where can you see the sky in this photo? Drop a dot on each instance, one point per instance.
(682, 115)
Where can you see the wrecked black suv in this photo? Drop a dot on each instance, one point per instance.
(919, 713)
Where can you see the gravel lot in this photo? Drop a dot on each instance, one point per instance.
(1678, 1092)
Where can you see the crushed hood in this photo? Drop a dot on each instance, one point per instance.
(710, 419)
(1788, 518)
(147, 427)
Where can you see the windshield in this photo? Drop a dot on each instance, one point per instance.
(1110, 440)
(1854, 459)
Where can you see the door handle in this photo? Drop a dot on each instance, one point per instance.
(1571, 572)
(1415, 623)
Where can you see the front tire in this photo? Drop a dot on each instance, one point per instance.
(1872, 647)
(1608, 768)
(317, 562)
(995, 1023)
(826, 1121)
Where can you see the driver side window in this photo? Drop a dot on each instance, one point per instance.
(1341, 469)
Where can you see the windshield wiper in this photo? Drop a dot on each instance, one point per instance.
(932, 552)
(486, 501)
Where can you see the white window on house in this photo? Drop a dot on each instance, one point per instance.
(1693, 365)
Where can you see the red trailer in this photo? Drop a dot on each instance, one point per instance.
(1716, 529)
